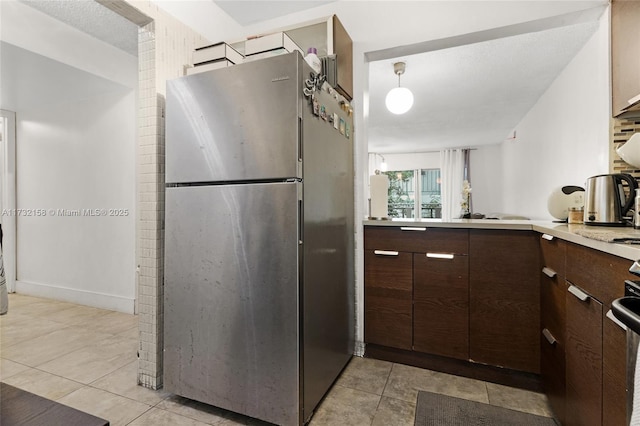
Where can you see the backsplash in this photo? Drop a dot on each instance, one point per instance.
(621, 131)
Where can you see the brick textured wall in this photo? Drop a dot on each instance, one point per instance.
(165, 47)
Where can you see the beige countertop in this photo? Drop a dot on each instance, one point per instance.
(571, 233)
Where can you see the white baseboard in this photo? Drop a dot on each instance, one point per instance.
(81, 297)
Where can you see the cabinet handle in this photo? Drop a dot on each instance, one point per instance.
(412, 228)
(385, 253)
(440, 255)
(549, 272)
(547, 335)
(616, 320)
(547, 237)
(579, 293)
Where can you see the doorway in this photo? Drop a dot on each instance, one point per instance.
(8, 195)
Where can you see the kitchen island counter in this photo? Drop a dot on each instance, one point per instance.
(567, 232)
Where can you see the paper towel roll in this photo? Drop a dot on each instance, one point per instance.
(379, 190)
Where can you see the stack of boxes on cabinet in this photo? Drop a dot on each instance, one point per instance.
(215, 56)
(222, 55)
(326, 37)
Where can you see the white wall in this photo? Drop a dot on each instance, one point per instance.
(75, 103)
(75, 156)
(412, 161)
(563, 140)
(486, 179)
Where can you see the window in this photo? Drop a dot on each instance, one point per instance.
(405, 200)
(430, 200)
(401, 193)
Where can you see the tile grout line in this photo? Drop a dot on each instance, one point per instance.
(142, 414)
(381, 395)
(82, 385)
(486, 389)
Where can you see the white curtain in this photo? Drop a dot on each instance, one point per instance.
(451, 177)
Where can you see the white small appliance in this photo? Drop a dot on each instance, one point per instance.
(563, 198)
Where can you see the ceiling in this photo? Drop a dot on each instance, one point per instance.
(469, 95)
(31, 81)
(94, 19)
(251, 11)
(465, 96)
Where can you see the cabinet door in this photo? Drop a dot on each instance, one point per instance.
(441, 305)
(553, 292)
(388, 290)
(614, 374)
(553, 345)
(600, 274)
(504, 299)
(583, 359)
(625, 44)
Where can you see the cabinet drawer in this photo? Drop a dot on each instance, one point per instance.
(552, 305)
(416, 239)
(388, 275)
(600, 274)
(553, 255)
(552, 371)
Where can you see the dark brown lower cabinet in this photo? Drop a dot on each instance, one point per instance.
(552, 337)
(388, 295)
(441, 305)
(614, 374)
(504, 299)
(552, 371)
(583, 359)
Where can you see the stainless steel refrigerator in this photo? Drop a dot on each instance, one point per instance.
(259, 274)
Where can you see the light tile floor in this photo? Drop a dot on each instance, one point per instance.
(86, 358)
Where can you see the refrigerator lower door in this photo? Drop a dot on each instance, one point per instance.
(231, 318)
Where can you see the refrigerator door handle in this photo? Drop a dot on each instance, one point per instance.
(300, 223)
(300, 144)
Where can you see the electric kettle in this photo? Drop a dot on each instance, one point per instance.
(605, 201)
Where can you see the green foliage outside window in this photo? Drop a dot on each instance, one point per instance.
(398, 191)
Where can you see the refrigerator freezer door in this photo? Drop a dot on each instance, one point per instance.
(231, 314)
(235, 123)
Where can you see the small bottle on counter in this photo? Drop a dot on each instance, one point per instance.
(576, 215)
(636, 210)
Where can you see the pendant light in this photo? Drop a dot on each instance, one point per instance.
(399, 99)
(383, 164)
